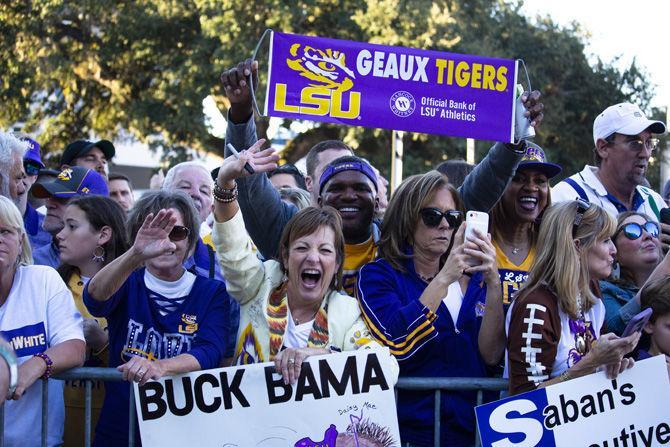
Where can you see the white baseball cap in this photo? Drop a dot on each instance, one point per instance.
(626, 119)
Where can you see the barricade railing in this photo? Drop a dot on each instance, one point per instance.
(88, 375)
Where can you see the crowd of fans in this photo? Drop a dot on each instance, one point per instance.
(232, 268)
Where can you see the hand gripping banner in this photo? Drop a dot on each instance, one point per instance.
(362, 84)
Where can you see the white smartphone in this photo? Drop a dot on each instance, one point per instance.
(478, 220)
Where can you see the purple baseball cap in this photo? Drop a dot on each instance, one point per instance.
(33, 153)
(72, 182)
(534, 158)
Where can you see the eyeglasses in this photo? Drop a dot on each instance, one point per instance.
(432, 217)
(179, 233)
(633, 230)
(31, 169)
(637, 145)
(582, 206)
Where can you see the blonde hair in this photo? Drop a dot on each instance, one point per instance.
(11, 217)
(402, 214)
(559, 264)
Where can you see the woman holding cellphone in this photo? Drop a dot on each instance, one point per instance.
(424, 300)
(553, 333)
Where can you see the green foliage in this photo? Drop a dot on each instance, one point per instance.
(70, 69)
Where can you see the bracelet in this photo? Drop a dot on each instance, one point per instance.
(12, 365)
(224, 195)
(49, 363)
(565, 376)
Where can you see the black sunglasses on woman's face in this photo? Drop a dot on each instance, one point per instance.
(432, 217)
(179, 233)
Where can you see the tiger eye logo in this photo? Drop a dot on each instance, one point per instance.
(65, 175)
(326, 68)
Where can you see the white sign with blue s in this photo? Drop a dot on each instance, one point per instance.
(592, 411)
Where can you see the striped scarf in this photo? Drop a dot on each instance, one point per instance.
(277, 313)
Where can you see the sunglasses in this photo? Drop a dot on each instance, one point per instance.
(432, 217)
(582, 206)
(179, 233)
(633, 230)
(31, 169)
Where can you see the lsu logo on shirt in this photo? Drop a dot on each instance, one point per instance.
(512, 280)
(331, 79)
(27, 340)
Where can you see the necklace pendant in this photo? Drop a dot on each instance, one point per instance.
(515, 250)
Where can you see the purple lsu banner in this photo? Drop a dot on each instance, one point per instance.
(362, 84)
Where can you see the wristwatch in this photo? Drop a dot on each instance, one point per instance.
(10, 357)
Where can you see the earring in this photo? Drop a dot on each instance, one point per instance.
(99, 254)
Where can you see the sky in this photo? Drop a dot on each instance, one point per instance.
(626, 29)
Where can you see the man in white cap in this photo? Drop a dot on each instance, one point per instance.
(624, 141)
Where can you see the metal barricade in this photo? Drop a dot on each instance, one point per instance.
(435, 384)
(439, 384)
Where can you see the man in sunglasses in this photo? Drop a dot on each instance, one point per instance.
(624, 142)
(71, 182)
(32, 220)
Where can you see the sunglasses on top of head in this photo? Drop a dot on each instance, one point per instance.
(179, 233)
(432, 217)
(633, 230)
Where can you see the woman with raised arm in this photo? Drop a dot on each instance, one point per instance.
(558, 315)
(515, 224)
(39, 320)
(162, 319)
(291, 308)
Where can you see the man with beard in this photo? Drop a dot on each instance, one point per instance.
(88, 154)
(194, 179)
(623, 138)
(349, 185)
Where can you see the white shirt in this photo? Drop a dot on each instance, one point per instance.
(596, 193)
(39, 313)
(296, 336)
(454, 300)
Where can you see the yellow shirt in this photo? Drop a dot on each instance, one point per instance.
(74, 394)
(512, 276)
(355, 257)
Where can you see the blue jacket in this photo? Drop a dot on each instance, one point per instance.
(198, 327)
(614, 297)
(426, 344)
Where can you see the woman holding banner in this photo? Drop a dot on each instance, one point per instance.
(557, 315)
(291, 308)
(162, 319)
(423, 257)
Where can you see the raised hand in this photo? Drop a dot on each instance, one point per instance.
(261, 160)
(534, 107)
(153, 238)
(236, 84)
